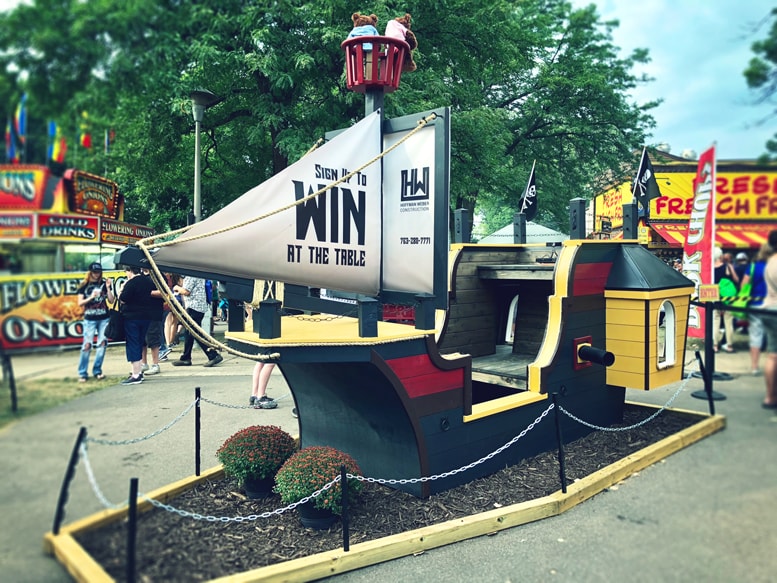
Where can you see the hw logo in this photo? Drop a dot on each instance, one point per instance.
(413, 189)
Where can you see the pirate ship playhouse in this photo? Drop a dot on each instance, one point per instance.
(367, 215)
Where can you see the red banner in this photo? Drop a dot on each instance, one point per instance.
(23, 187)
(67, 228)
(700, 239)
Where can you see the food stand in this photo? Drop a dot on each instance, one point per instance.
(51, 228)
(745, 205)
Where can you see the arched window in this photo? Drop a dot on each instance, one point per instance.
(511, 316)
(667, 332)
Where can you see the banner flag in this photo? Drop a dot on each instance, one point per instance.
(645, 185)
(528, 202)
(331, 241)
(52, 136)
(110, 136)
(84, 137)
(10, 143)
(700, 239)
(20, 119)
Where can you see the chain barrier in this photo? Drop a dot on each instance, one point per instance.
(383, 481)
(328, 318)
(250, 517)
(463, 468)
(145, 437)
(634, 426)
(93, 481)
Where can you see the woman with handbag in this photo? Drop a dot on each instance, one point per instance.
(93, 295)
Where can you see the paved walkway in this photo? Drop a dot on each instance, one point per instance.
(706, 513)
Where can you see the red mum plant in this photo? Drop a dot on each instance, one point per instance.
(256, 452)
(310, 469)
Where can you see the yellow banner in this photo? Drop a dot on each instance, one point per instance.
(738, 195)
(41, 310)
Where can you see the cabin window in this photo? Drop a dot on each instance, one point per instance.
(667, 328)
(512, 315)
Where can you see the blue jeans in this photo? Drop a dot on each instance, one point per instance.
(93, 328)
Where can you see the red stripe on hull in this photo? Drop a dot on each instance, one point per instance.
(590, 278)
(421, 377)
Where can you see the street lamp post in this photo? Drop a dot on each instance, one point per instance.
(202, 99)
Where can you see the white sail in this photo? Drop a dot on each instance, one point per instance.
(331, 241)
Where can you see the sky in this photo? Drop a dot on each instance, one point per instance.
(699, 49)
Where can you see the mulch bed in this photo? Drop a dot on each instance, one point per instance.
(172, 548)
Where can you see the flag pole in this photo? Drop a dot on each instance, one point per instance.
(525, 192)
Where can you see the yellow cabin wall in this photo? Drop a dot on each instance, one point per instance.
(632, 333)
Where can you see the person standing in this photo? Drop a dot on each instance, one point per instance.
(755, 329)
(741, 265)
(724, 271)
(172, 324)
(155, 341)
(193, 292)
(770, 325)
(139, 308)
(93, 295)
(260, 378)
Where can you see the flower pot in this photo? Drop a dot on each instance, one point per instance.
(258, 487)
(318, 518)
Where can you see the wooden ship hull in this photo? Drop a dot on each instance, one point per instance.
(410, 404)
(498, 331)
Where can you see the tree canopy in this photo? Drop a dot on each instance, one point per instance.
(526, 80)
(761, 74)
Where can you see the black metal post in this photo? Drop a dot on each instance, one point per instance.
(59, 515)
(708, 392)
(709, 359)
(709, 340)
(577, 218)
(197, 414)
(132, 529)
(709, 337)
(344, 517)
(368, 317)
(373, 101)
(630, 220)
(519, 228)
(461, 227)
(560, 439)
(8, 373)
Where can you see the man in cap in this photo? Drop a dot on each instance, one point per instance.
(742, 264)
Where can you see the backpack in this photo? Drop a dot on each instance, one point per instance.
(209, 290)
(728, 290)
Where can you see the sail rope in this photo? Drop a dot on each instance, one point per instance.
(178, 309)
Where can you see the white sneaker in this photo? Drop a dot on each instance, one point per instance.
(144, 367)
(153, 369)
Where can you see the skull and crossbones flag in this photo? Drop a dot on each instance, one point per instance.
(528, 202)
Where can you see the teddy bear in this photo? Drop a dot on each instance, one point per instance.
(400, 28)
(364, 25)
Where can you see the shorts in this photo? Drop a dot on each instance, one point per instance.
(154, 335)
(770, 329)
(755, 331)
(135, 332)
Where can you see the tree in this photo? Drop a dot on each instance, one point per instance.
(539, 81)
(761, 73)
